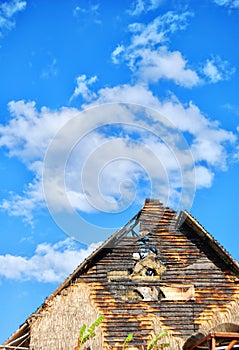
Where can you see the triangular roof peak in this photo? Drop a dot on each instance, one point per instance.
(153, 217)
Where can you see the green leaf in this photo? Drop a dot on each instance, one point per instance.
(95, 324)
(127, 340)
(82, 331)
(85, 335)
(154, 341)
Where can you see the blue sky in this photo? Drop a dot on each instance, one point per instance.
(101, 106)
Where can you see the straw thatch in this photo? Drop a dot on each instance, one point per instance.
(230, 314)
(184, 282)
(226, 320)
(57, 325)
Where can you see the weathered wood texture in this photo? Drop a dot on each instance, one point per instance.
(188, 261)
(166, 278)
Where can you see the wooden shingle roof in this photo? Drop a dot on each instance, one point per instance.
(154, 218)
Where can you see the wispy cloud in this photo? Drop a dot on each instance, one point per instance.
(106, 163)
(143, 6)
(50, 263)
(232, 108)
(158, 30)
(216, 69)
(82, 87)
(148, 56)
(8, 10)
(51, 70)
(91, 10)
(24, 205)
(233, 4)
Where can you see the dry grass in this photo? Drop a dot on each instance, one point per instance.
(229, 315)
(226, 320)
(57, 326)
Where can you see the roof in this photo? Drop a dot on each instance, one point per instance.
(179, 220)
(189, 220)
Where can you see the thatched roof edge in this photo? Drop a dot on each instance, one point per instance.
(215, 245)
(114, 239)
(19, 332)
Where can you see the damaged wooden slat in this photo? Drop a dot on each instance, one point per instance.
(159, 272)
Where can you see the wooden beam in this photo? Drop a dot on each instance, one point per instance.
(210, 336)
(13, 347)
(213, 340)
(230, 346)
(226, 335)
(17, 339)
(200, 341)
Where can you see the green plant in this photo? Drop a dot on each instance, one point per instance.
(88, 333)
(127, 340)
(153, 343)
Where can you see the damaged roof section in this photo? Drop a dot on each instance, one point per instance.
(189, 220)
(159, 272)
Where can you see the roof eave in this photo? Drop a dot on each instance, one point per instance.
(20, 331)
(217, 247)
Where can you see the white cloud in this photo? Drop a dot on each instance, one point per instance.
(8, 10)
(215, 69)
(209, 142)
(138, 94)
(222, 2)
(27, 203)
(209, 150)
(204, 176)
(93, 8)
(112, 173)
(137, 8)
(143, 6)
(115, 56)
(163, 64)
(27, 136)
(82, 87)
(158, 30)
(211, 71)
(28, 133)
(91, 12)
(50, 263)
(149, 58)
(102, 165)
(228, 3)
